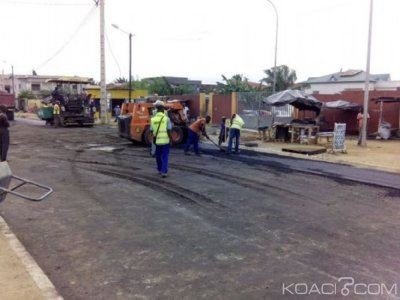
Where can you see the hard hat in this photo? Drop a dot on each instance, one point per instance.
(159, 103)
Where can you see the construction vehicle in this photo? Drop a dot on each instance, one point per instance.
(134, 121)
(8, 100)
(76, 106)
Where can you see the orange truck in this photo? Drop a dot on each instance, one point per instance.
(134, 121)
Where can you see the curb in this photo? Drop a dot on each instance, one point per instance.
(48, 290)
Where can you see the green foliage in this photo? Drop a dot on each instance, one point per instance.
(44, 93)
(285, 77)
(120, 80)
(27, 94)
(237, 83)
(159, 86)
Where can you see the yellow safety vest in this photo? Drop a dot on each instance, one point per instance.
(56, 109)
(162, 135)
(237, 122)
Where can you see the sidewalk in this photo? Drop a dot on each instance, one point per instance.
(379, 154)
(20, 276)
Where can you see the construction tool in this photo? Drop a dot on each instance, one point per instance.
(220, 148)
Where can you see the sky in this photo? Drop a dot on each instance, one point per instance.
(201, 40)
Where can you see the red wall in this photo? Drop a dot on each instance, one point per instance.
(222, 107)
(391, 111)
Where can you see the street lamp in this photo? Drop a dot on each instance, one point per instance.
(276, 43)
(130, 59)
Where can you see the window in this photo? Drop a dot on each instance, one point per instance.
(35, 87)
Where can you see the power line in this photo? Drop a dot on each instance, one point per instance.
(43, 3)
(80, 26)
(113, 56)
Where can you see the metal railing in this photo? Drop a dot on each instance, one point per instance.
(256, 114)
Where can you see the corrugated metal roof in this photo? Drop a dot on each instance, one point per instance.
(348, 76)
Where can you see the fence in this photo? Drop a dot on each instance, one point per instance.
(256, 113)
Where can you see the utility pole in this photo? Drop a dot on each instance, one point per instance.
(130, 67)
(366, 88)
(130, 58)
(12, 80)
(276, 44)
(103, 91)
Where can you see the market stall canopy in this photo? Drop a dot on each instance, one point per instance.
(297, 98)
(342, 104)
(71, 80)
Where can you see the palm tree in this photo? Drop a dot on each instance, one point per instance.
(285, 77)
(237, 83)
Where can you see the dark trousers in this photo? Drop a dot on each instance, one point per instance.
(162, 152)
(193, 138)
(4, 143)
(57, 121)
(234, 133)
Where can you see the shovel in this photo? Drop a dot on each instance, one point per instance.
(216, 145)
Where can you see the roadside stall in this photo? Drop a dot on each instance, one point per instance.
(303, 131)
(385, 128)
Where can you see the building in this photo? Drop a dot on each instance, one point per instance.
(176, 82)
(350, 80)
(34, 83)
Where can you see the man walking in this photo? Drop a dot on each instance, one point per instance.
(56, 114)
(360, 117)
(117, 112)
(161, 129)
(234, 132)
(193, 134)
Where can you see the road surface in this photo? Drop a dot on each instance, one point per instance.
(251, 226)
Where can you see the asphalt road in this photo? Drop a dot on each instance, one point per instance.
(219, 227)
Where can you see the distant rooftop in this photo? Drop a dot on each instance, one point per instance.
(348, 76)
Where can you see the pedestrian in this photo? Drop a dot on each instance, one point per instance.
(161, 129)
(194, 131)
(186, 111)
(222, 132)
(4, 133)
(360, 117)
(117, 112)
(234, 132)
(56, 114)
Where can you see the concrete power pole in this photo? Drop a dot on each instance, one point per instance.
(367, 76)
(103, 91)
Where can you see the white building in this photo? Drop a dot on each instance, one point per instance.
(33, 83)
(349, 80)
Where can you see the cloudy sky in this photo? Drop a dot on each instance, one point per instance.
(198, 39)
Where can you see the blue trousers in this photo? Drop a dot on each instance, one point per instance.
(162, 152)
(234, 133)
(193, 138)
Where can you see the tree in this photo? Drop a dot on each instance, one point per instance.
(237, 83)
(285, 77)
(160, 87)
(120, 80)
(28, 94)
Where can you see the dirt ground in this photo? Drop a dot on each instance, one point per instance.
(218, 227)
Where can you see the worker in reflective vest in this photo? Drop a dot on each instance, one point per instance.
(56, 114)
(161, 129)
(234, 132)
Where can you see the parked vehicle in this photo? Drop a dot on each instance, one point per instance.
(9, 101)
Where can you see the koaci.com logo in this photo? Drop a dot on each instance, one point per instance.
(345, 286)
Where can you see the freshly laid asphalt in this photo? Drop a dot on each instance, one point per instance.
(219, 227)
